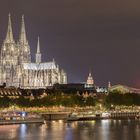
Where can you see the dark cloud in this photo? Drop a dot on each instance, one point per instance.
(101, 35)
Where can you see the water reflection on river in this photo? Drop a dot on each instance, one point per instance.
(82, 130)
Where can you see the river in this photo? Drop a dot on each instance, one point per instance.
(78, 130)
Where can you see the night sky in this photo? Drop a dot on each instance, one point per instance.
(101, 36)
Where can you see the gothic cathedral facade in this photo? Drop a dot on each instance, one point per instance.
(16, 68)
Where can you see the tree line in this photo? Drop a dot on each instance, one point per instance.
(49, 100)
(127, 99)
(71, 100)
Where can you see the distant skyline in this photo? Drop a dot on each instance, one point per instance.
(82, 35)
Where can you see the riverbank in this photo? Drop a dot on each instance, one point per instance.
(104, 115)
(7, 122)
(68, 116)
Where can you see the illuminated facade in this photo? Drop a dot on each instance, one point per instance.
(90, 81)
(123, 89)
(16, 68)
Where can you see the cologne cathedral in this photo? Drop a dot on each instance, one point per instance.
(16, 68)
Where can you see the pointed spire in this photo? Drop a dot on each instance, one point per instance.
(22, 37)
(38, 54)
(53, 60)
(9, 35)
(89, 74)
(38, 46)
(109, 84)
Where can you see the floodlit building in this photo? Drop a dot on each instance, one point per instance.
(86, 87)
(16, 68)
(123, 89)
(90, 81)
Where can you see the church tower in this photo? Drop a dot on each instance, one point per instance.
(38, 54)
(9, 56)
(9, 36)
(24, 48)
(90, 81)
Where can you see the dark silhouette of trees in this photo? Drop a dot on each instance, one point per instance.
(49, 100)
(127, 99)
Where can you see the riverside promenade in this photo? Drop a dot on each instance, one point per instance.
(55, 116)
(4, 122)
(18, 117)
(90, 115)
(103, 115)
(69, 116)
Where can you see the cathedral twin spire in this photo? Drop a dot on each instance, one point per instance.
(9, 35)
(22, 38)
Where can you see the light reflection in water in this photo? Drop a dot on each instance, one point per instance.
(23, 128)
(68, 134)
(80, 130)
(8, 131)
(105, 124)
